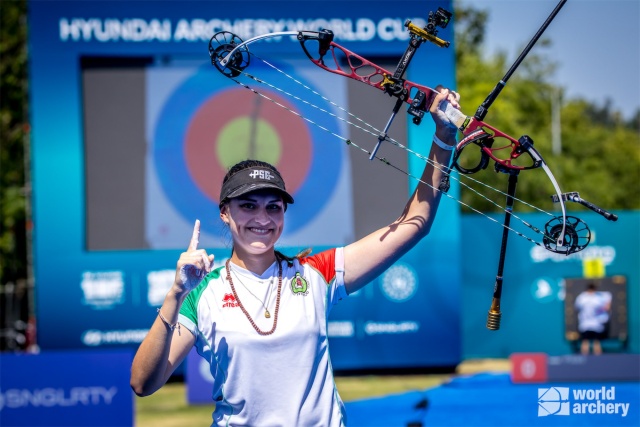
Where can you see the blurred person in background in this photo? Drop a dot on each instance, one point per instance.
(593, 315)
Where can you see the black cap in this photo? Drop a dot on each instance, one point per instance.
(252, 179)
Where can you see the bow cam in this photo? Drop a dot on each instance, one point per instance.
(225, 54)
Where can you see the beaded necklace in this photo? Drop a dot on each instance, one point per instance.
(235, 294)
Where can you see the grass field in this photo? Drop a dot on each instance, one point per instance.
(168, 406)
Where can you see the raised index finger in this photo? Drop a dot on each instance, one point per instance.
(195, 237)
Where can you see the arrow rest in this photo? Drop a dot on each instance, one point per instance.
(577, 235)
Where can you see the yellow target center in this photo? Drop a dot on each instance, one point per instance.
(248, 138)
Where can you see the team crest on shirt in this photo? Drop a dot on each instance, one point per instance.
(299, 285)
(228, 300)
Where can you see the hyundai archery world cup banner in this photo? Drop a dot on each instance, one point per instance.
(133, 130)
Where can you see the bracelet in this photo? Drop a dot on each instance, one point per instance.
(166, 322)
(441, 144)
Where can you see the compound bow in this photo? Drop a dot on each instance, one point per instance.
(563, 234)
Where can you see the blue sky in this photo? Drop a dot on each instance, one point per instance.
(595, 42)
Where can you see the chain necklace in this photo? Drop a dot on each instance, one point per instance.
(235, 294)
(266, 310)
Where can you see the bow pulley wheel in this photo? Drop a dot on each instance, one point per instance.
(220, 47)
(576, 235)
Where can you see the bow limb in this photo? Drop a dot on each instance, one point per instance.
(238, 47)
(224, 61)
(560, 239)
(345, 63)
(527, 144)
(359, 68)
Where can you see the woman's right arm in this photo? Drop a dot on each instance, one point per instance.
(165, 347)
(161, 351)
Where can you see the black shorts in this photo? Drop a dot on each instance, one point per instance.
(592, 335)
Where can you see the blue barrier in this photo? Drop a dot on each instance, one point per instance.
(66, 389)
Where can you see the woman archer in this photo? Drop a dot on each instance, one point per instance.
(261, 319)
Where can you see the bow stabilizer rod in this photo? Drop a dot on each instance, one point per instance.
(483, 109)
(494, 315)
(574, 196)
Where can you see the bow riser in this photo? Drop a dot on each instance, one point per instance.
(367, 72)
(335, 59)
(371, 74)
(486, 136)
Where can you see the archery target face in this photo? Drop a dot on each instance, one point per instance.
(199, 123)
(237, 124)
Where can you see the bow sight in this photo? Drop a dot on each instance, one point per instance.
(439, 18)
(394, 85)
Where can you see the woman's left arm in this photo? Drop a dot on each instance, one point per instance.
(368, 257)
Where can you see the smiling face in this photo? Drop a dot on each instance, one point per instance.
(255, 220)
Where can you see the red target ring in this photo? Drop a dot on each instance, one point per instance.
(231, 126)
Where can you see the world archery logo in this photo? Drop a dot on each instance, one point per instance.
(602, 401)
(299, 285)
(399, 283)
(553, 401)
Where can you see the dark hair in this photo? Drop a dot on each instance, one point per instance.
(250, 163)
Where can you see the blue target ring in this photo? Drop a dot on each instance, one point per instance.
(188, 98)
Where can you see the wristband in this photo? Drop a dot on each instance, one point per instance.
(166, 322)
(441, 144)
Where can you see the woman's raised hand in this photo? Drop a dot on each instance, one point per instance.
(193, 264)
(445, 101)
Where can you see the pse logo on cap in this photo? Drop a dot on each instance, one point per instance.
(261, 174)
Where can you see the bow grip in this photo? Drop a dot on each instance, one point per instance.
(455, 116)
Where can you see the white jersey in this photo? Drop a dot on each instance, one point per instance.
(282, 379)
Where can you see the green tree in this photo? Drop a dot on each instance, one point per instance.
(13, 136)
(600, 154)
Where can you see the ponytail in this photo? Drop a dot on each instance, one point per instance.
(299, 255)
